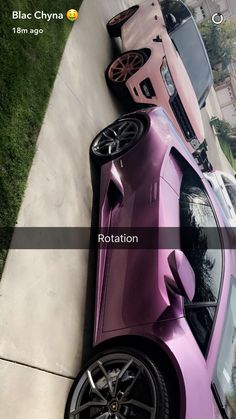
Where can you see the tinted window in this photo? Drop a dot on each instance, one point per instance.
(176, 8)
(199, 233)
(201, 321)
(196, 213)
(189, 44)
(225, 374)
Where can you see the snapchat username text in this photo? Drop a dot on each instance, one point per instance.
(39, 14)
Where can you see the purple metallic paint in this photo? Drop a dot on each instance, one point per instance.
(184, 282)
(132, 298)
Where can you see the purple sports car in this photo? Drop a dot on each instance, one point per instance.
(165, 319)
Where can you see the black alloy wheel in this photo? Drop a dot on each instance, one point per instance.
(119, 384)
(117, 139)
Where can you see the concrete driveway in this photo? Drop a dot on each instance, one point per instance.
(42, 293)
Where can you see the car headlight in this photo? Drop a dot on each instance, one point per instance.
(165, 72)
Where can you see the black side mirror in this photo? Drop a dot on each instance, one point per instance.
(170, 21)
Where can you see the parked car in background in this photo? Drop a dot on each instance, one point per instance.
(164, 323)
(165, 63)
(224, 186)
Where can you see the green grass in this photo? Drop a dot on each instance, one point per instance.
(227, 151)
(28, 66)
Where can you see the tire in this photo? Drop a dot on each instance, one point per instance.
(119, 383)
(116, 139)
(114, 24)
(117, 76)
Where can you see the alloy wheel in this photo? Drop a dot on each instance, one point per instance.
(126, 14)
(125, 66)
(118, 137)
(116, 386)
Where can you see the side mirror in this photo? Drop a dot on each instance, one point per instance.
(171, 21)
(184, 282)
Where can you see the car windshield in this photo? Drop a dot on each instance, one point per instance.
(190, 47)
(225, 374)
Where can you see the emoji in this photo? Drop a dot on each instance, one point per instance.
(72, 15)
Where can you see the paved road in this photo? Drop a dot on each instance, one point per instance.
(43, 293)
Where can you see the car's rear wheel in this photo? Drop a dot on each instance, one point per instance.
(117, 138)
(119, 384)
(122, 68)
(114, 25)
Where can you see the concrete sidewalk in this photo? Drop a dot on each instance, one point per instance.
(42, 293)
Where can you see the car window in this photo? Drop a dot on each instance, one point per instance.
(225, 373)
(199, 235)
(197, 215)
(176, 8)
(201, 320)
(231, 190)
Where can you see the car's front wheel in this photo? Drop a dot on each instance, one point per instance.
(124, 67)
(119, 384)
(116, 139)
(114, 25)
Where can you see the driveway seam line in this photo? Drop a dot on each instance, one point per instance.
(69, 88)
(36, 368)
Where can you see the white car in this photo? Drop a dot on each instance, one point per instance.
(224, 186)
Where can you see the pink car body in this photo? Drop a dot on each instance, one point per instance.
(146, 29)
(135, 35)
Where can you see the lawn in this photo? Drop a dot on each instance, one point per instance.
(227, 151)
(28, 65)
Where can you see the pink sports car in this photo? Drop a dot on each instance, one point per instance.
(164, 62)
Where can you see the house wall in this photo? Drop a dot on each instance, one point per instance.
(229, 114)
(204, 9)
(227, 103)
